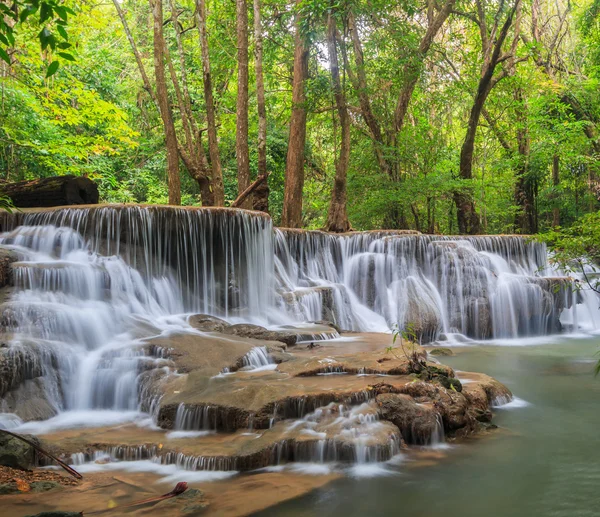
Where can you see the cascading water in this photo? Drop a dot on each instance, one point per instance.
(92, 284)
(482, 287)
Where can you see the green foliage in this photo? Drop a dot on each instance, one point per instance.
(72, 101)
(582, 239)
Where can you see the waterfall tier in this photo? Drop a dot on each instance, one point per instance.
(232, 264)
(113, 314)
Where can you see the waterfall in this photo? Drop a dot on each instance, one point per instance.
(92, 283)
(218, 261)
(481, 287)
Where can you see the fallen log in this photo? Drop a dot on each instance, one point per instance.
(54, 191)
(242, 197)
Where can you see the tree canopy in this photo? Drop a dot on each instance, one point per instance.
(444, 116)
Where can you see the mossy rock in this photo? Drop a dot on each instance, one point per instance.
(17, 454)
(441, 352)
(44, 486)
(450, 383)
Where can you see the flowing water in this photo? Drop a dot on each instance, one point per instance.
(92, 284)
(543, 461)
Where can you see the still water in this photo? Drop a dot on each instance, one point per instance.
(544, 460)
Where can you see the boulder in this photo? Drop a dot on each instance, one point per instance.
(441, 351)
(207, 323)
(479, 318)
(261, 333)
(422, 314)
(417, 422)
(16, 454)
(7, 257)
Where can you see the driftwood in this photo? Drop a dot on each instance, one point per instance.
(251, 188)
(179, 489)
(54, 191)
(70, 470)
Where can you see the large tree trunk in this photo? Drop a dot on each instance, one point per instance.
(241, 133)
(294, 169)
(162, 97)
(337, 218)
(54, 191)
(261, 194)
(524, 192)
(412, 69)
(213, 143)
(360, 84)
(491, 43)
(468, 219)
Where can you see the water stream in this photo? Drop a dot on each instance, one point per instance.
(91, 285)
(542, 462)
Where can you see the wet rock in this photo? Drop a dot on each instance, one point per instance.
(261, 333)
(486, 392)
(482, 415)
(417, 423)
(479, 318)
(7, 257)
(327, 323)
(422, 314)
(324, 294)
(29, 401)
(207, 323)
(17, 454)
(441, 351)
(450, 383)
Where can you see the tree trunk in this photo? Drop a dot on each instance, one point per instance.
(261, 194)
(213, 143)
(412, 69)
(241, 133)
(360, 84)
(294, 169)
(556, 183)
(162, 97)
(524, 192)
(192, 154)
(54, 191)
(337, 218)
(467, 217)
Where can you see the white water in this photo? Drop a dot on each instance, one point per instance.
(482, 287)
(93, 284)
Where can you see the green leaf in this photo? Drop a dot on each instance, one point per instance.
(4, 55)
(28, 11)
(4, 39)
(62, 31)
(61, 11)
(66, 56)
(64, 45)
(52, 68)
(44, 37)
(46, 12)
(10, 35)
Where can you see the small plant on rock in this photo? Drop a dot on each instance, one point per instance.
(407, 336)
